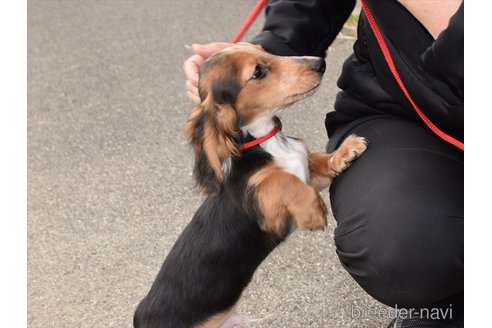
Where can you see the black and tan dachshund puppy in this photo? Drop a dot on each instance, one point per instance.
(259, 184)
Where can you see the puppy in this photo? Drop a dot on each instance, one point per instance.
(259, 185)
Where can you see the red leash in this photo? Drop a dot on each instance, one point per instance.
(387, 56)
(251, 18)
(396, 75)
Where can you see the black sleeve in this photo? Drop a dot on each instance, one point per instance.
(302, 27)
(445, 58)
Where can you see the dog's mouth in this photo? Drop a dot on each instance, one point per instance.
(298, 96)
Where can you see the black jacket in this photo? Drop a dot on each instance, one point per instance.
(432, 70)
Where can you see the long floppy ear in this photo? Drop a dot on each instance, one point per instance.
(212, 130)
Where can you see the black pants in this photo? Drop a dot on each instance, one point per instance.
(399, 213)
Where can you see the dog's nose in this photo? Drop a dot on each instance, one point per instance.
(319, 66)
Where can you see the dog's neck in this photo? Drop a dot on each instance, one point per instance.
(289, 153)
(261, 125)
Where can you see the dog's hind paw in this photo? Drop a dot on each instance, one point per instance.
(234, 320)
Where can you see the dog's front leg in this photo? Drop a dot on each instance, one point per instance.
(323, 167)
(282, 196)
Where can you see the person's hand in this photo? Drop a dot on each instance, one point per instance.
(192, 65)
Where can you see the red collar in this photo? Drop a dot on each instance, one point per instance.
(259, 140)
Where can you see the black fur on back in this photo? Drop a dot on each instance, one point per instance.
(215, 257)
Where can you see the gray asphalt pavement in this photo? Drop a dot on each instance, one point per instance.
(109, 169)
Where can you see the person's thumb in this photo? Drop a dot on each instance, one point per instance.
(206, 50)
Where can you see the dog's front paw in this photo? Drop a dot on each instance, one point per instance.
(312, 216)
(352, 147)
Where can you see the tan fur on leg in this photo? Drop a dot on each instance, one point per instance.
(282, 195)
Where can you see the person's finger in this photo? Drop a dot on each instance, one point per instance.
(192, 65)
(192, 92)
(193, 97)
(191, 68)
(206, 50)
(191, 87)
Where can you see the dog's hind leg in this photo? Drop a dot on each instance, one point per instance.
(226, 319)
(233, 320)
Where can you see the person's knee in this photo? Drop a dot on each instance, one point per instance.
(399, 210)
(403, 258)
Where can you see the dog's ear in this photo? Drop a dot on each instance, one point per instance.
(212, 129)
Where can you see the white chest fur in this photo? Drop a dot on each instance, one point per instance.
(290, 154)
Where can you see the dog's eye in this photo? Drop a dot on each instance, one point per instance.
(260, 72)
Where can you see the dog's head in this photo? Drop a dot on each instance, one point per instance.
(237, 86)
